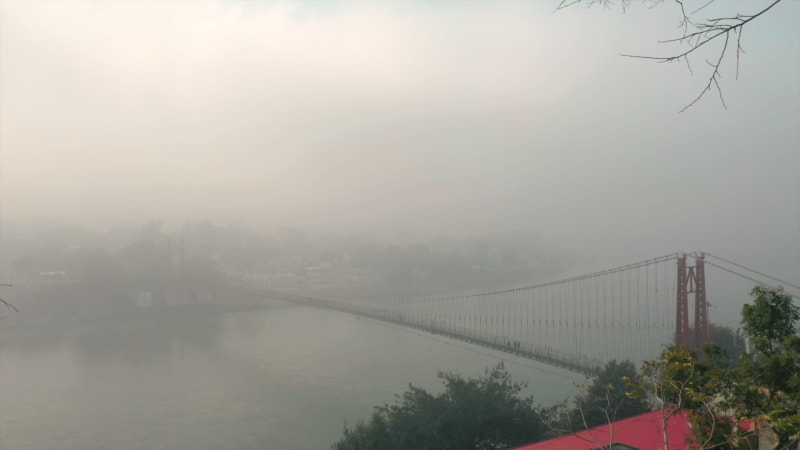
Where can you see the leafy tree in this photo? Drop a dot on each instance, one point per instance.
(771, 321)
(606, 399)
(764, 388)
(375, 434)
(770, 390)
(669, 384)
(487, 412)
(730, 341)
(680, 381)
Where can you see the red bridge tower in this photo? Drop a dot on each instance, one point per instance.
(691, 280)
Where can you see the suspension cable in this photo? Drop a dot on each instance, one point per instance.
(569, 280)
(749, 278)
(753, 271)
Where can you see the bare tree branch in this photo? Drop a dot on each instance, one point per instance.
(705, 32)
(702, 7)
(713, 79)
(8, 305)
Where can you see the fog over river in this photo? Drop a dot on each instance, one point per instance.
(196, 379)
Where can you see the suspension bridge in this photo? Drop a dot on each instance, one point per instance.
(578, 323)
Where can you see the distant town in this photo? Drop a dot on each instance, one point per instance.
(62, 271)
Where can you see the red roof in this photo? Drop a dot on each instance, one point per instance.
(641, 432)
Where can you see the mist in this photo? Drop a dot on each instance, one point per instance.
(429, 148)
(440, 120)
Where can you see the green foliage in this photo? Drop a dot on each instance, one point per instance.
(730, 342)
(472, 413)
(606, 399)
(716, 393)
(770, 320)
(365, 436)
(681, 381)
(671, 381)
(771, 392)
(763, 388)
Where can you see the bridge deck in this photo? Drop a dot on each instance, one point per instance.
(574, 363)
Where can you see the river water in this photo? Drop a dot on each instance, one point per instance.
(284, 377)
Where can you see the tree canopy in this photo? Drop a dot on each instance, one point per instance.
(488, 412)
(769, 375)
(722, 399)
(606, 399)
(727, 401)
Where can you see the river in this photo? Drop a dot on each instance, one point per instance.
(282, 377)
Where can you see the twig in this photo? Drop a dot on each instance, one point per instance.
(8, 305)
(708, 31)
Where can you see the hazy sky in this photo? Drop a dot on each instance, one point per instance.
(450, 118)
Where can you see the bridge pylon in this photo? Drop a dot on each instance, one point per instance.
(691, 280)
